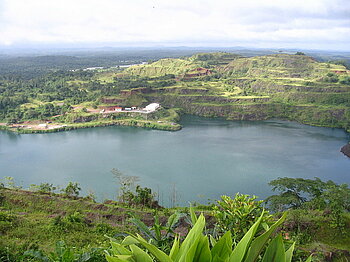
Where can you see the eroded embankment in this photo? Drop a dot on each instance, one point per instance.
(346, 150)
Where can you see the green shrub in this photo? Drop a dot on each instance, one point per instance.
(43, 188)
(72, 189)
(7, 221)
(239, 214)
(75, 221)
(345, 80)
(104, 228)
(331, 78)
(65, 253)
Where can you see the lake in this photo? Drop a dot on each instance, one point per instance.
(206, 159)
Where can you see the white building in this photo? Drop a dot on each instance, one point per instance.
(152, 107)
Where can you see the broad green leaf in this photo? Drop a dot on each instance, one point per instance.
(309, 259)
(202, 251)
(173, 219)
(129, 240)
(139, 255)
(142, 227)
(258, 244)
(118, 249)
(68, 255)
(126, 257)
(189, 254)
(219, 259)
(289, 253)
(275, 251)
(157, 229)
(239, 252)
(192, 238)
(160, 255)
(212, 240)
(222, 248)
(175, 248)
(193, 215)
(116, 259)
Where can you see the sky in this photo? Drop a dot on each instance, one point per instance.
(307, 24)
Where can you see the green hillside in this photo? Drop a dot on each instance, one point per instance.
(34, 221)
(293, 87)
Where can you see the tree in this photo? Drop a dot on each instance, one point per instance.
(126, 185)
(72, 189)
(308, 193)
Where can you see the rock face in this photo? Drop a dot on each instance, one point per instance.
(346, 150)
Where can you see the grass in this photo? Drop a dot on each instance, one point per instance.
(38, 220)
(106, 77)
(77, 82)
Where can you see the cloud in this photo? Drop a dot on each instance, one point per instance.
(322, 23)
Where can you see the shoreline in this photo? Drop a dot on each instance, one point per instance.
(124, 122)
(165, 126)
(346, 150)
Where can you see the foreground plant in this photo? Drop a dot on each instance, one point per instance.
(159, 235)
(238, 214)
(196, 247)
(64, 253)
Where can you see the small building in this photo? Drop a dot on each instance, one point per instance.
(133, 107)
(152, 107)
(127, 108)
(118, 108)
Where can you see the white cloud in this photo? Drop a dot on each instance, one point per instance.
(323, 23)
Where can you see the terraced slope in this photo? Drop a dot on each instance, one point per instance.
(294, 87)
(181, 66)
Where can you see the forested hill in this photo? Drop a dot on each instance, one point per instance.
(294, 87)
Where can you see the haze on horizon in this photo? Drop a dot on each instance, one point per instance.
(311, 24)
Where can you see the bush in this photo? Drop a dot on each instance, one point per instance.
(239, 214)
(330, 78)
(75, 221)
(345, 80)
(104, 228)
(7, 221)
(65, 253)
(72, 189)
(43, 188)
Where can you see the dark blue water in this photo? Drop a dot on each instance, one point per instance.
(207, 158)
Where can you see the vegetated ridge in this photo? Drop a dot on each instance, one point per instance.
(292, 87)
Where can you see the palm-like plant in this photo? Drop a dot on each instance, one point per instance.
(159, 235)
(196, 247)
